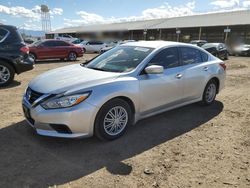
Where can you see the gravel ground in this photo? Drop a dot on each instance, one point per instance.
(192, 146)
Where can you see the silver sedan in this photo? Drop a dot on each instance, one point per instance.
(115, 90)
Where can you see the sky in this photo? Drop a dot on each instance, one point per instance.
(25, 14)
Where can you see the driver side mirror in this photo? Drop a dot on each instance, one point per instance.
(154, 69)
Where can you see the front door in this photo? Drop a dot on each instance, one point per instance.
(158, 91)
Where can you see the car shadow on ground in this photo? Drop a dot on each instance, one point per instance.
(29, 160)
(13, 84)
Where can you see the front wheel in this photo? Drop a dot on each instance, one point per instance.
(72, 56)
(209, 93)
(113, 120)
(7, 74)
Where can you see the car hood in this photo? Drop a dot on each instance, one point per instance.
(69, 77)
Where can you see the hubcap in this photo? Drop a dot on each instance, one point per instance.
(4, 74)
(210, 93)
(72, 56)
(115, 120)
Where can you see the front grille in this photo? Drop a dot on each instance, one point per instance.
(32, 95)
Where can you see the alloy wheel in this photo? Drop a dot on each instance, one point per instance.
(210, 92)
(115, 120)
(72, 56)
(4, 74)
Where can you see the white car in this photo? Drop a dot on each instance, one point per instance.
(120, 87)
(92, 46)
(65, 37)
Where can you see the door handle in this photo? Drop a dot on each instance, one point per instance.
(178, 76)
(205, 68)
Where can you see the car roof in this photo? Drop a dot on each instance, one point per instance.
(154, 44)
(198, 41)
(214, 43)
(8, 26)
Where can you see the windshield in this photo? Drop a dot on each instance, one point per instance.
(120, 59)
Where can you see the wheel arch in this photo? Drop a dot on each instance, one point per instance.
(10, 62)
(217, 83)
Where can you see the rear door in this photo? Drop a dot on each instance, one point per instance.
(195, 72)
(62, 48)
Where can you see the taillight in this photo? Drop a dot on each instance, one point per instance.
(223, 65)
(25, 49)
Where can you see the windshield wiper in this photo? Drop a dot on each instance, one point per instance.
(96, 68)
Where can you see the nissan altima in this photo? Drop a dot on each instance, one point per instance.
(116, 89)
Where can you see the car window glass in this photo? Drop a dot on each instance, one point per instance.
(120, 59)
(204, 56)
(61, 43)
(3, 34)
(49, 44)
(95, 43)
(168, 58)
(190, 55)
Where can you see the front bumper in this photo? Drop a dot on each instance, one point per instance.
(74, 122)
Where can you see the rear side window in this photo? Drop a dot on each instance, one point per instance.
(190, 56)
(61, 43)
(3, 34)
(168, 58)
(95, 43)
(204, 56)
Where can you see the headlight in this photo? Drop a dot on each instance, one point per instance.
(65, 101)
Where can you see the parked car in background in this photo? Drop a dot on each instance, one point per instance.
(77, 41)
(53, 49)
(65, 37)
(92, 46)
(14, 54)
(105, 49)
(241, 50)
(116, 89)
(198, 42)
(217, 49)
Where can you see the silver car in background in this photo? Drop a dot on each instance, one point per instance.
(120, 87)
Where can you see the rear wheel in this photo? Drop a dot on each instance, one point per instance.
(7, 74)
(209, 93)
(113, 119)
(72, 56)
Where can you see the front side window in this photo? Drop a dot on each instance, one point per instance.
(168, 58)
(3, 34)
(49, 44)
(190, 56)
(120, 59)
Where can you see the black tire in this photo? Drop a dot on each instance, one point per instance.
(11, 71)
(84, 50)
(226, 56)
(33, 56)
(206, 100)
(99, 130)
(72, 56)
